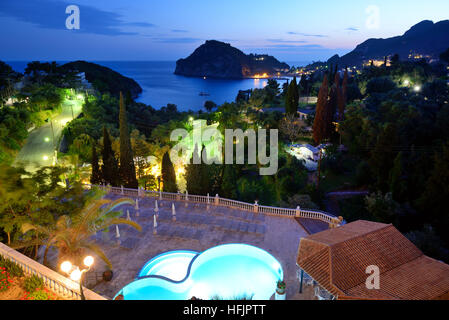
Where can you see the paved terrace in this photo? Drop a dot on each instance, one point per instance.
(196, 228)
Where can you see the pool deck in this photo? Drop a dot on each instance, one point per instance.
(198, 229)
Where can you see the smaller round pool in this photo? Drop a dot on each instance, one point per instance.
(172, 265)
(231, 271)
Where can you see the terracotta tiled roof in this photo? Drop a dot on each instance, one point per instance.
(337, 260)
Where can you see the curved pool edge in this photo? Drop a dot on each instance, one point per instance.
(159, 280)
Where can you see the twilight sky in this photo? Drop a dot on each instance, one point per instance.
(291, 30)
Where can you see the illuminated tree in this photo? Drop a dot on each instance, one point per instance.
(199, 176)
(168, 174)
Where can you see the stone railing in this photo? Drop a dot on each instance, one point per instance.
(234, 204)
(62, 286)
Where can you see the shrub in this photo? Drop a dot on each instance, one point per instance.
(380, 85)
(5, 279)
(13, 268)
(33, 283)
(41, 294)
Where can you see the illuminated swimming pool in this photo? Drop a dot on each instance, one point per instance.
(228, 271)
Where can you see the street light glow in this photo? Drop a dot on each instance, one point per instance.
(406, 82)
(66, 266)
(417, 88)
(45, 158)
(47, 139)
(75, 275)
(88, 261)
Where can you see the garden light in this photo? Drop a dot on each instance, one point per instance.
(66, 266)
(88, 261)
(75, 275)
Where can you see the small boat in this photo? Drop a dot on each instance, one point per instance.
(204, 94)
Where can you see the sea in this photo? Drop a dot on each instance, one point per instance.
(161, 86)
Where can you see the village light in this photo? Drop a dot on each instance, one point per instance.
(406, 82)
(417, 88)
(47, 139)
(45, 158)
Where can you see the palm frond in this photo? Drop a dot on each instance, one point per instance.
(26, 244)
(115, 221)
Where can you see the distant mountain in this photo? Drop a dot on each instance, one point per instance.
(424, 39)
(215, 59)
(104, 79)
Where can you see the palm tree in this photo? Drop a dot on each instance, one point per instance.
(73, 236)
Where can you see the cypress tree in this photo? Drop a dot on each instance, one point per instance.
(319, 124)
(229, 184)
(95, 178)
(127, 167)
(295, 95)
(205, 174)
(344, 97)
(168, 174)
(288, 99)
(335, 95)
(329, 113)
(292, 98)
(194, 174)
(109, 170)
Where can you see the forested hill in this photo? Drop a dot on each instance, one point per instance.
(425, 38)
(104, 79)
(217, 59)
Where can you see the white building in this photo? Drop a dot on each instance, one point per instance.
(307, 153)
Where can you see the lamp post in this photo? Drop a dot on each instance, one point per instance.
(76, 274)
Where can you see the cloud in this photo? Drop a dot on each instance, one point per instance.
(179, 31)
(291, 46)
(140, 24)
(50, 14)
(285, 41)
(175, 40)
(352, 29)
(307, 34)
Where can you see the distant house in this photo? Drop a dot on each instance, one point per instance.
(307, 153)
(305, 114)
(335, 261)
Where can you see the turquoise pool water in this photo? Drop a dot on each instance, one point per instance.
(228, 271)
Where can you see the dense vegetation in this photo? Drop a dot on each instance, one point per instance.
(398, 138)
(39, 96)
(104, 79)
(392, 123)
